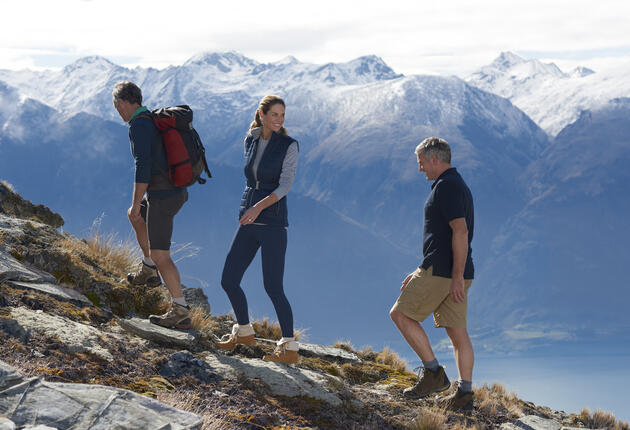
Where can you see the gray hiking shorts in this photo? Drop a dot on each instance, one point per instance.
(159, 215)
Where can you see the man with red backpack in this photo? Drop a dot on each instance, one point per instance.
(155, 203)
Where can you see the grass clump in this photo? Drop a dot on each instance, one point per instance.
(430, 419)
(601, 420)
(267, 329)
(345, 345)
(495, 400)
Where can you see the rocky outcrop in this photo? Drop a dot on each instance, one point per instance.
(161, 335)
(533, 422)
(282, 380)
(75, 336)
(13, 204)
(13, 270)
(34, 401)
(195, 297)
(184, 363)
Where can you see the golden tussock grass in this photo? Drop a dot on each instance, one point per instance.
(601, 420)
(212, 420)
(494, 399)
(430, 419)
(268, 329)
(201, 321)
(392, 359)
(345, 345)
(107, 250)
(386, 356)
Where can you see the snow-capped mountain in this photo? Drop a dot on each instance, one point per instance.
(356, 204)
(551, 97)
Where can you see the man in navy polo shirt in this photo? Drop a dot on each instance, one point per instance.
(440, 285)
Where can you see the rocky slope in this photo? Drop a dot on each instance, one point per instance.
(76, 352)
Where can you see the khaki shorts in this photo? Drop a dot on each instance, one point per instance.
(426, 294)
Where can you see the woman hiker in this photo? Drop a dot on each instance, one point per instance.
(271, 158)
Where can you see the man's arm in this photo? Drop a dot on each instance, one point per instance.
(138, 193)
(460, 252)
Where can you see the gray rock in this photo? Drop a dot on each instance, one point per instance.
(184, 363)
(281, 379)
(196, 297)
(9, 376)
(13, 270)
(39, 427)
(508, 426)
(532, 422)
(14, 329)
(329, 353)
(76, 336)
(165, 336)
(94, 407)
(65, 294)
(6, 424)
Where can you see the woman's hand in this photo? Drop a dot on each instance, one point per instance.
(250, 215)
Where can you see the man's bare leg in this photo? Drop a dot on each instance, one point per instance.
(169, 272)
(414, 334)
(463, 351)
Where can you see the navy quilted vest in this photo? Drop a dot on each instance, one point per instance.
(268, 174)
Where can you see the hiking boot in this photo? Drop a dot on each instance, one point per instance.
(235, 339)
(458, 401)
(178, 317)
(282, 355)
(145, 275)
(429, 382)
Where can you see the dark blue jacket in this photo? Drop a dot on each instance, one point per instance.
(268, 174)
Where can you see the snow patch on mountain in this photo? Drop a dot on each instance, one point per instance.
(551, 97)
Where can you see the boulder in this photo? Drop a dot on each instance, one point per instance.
(195, 297)
(164, 336)
(13, 204)
(329, 353)
(533, 422)
(36, 402)
(184, 363)
(13, 270)
(75, 336)
(6, 424)
(281, 379)
(14, 329)
(9, 376)
(61, 293)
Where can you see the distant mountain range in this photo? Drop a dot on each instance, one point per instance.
(356, 205)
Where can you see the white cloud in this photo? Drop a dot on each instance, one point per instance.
(446, 37)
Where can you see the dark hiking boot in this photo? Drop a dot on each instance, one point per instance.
(178, 317)
(429, 382)
(145, 275)
(458, 401)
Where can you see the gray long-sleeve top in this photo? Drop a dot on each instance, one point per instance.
(289, 165)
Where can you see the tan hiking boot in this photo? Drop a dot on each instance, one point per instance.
(429, 382)
(237, 338)
(458, 401)
(283, 355)
(178, 317)
(145, 275)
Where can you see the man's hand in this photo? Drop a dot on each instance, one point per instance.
(458, 291)
(250, 215)
(134, 212)
(406, 281)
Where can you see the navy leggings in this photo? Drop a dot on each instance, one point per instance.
(273, 243)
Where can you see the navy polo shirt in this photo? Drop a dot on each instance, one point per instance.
(450, 198)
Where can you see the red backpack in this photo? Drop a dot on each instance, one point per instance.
(185, 153)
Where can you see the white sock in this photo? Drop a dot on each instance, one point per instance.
(291, 344)
(148, 261)
(245, 329)
(180, 301)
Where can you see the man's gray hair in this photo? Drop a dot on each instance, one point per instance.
(435, 146)
(127, 91)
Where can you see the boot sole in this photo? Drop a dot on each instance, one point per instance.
(437, 390)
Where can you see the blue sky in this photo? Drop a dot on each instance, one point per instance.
(445, 37)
